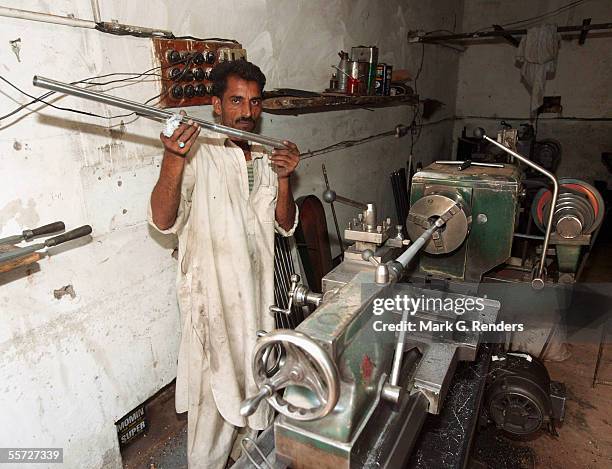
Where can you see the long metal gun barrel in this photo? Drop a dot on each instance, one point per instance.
(149, 111)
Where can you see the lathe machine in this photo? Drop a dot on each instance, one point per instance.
(354, 382)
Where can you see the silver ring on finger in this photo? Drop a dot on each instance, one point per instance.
(181, 144)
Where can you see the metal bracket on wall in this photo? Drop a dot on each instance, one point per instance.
(585, 31)
(508, 37)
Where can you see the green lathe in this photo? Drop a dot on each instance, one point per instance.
(354, 382)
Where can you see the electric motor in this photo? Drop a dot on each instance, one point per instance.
(521, 398)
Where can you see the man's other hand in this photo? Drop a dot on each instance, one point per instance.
(285, 160)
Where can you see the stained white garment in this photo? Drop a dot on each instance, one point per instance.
(225, 281)
(537, 54)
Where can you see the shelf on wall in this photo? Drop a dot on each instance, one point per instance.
(332, 102)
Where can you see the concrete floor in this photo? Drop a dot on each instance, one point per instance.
(584, 441)
(165, 444)
(585, 438)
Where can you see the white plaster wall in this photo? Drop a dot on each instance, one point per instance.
(489, 82)
(69, 368)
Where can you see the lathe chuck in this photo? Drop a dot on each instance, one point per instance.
(425, 211)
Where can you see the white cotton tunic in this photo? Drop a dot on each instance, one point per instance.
(225, 281)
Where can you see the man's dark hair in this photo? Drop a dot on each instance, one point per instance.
(239, 68)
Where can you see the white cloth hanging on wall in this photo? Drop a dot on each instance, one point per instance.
(537, 54)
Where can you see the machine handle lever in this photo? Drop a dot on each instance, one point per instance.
(538, 281)
(250, 404)
(276, 309)
(368, 255)
(295, 279)
(330, 196)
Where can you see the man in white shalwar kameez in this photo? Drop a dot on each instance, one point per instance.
(224, 198)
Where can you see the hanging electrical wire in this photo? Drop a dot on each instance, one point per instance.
(133, 76)
(415, 128)
(547, 15)
(347, 144)
(537, 18)
(61, 108)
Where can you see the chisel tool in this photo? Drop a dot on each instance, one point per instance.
(48, 243)
(27, 235)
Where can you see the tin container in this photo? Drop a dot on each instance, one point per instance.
(359, 73)
(367, 54)
(343, 66)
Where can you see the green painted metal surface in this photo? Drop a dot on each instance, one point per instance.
(568, 257)
(489, 192)
(344, 327)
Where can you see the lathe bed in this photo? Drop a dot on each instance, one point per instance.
(445, 440)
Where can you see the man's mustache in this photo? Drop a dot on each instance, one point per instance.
(245, 120)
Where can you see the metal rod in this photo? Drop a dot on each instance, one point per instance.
(538, 281)
(107, 27)
(95, 9)
(330, 196)
(331, 203)
(150, 111)
(513, 32)
(21, 252)
(528, 236)
(351, 202)
(46, 18)
(415, 247)
(399, 351)
(472, 163)
(604, 329)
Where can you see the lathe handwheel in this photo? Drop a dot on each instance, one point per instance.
(304, 364)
